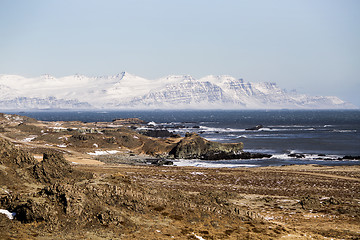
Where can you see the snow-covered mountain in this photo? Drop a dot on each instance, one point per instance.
(129, 91)
(42, 103)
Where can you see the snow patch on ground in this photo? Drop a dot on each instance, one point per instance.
(106, 152)
(58, 128)
(29, 139)
(198, 237)
(10, 215)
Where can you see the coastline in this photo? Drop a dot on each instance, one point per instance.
(329, 132)
(77, 184)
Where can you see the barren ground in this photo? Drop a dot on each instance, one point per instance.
(119, 197)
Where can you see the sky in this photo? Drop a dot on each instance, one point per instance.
(312, 46)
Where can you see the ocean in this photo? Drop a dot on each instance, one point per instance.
(322, 136)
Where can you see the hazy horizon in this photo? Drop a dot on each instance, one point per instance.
(310, 46)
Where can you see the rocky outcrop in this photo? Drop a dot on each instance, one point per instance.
(12, 156)
(14, 165)
(158, 133)
(194, 146)
(17, 164)
(52, 167)
(122, 121)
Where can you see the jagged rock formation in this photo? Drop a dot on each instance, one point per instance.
(53, 168)
(195, 147)
(12, 157)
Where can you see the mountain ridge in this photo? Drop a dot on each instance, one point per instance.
(128, 91)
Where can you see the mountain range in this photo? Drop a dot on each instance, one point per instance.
(127, 91)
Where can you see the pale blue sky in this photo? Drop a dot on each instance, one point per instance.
(309, 45)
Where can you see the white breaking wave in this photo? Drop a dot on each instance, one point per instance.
(214, 139)
(344, 131)
(284, 129)
(312, 157)
(242, 136)
(225, 130)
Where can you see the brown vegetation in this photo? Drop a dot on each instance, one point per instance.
(57, 198)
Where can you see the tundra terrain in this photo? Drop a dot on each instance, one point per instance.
(74, 180)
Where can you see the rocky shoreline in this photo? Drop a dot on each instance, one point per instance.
(74, 180)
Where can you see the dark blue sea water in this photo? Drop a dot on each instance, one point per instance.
(335, 133)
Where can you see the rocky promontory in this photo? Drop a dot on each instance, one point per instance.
(193, 146)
